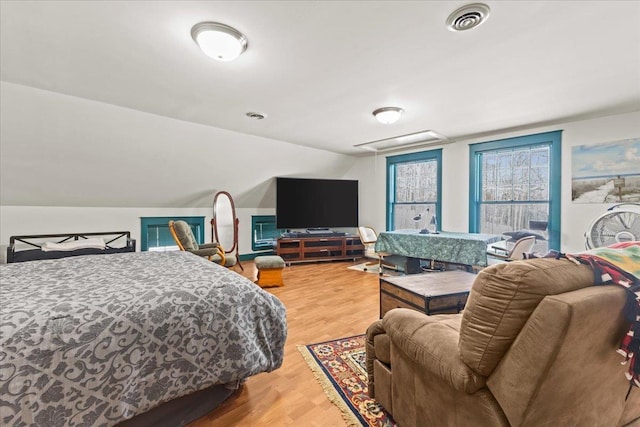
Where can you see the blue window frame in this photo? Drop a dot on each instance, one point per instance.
(264, 232)
(515, 186)
(155, 234)
(414, 187)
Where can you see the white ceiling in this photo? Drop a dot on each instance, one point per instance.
(318, 69)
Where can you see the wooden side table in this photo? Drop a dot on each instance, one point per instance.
(429, 293)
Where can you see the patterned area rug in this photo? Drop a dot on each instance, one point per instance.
(340, 368)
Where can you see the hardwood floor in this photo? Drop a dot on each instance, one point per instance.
(324, 301)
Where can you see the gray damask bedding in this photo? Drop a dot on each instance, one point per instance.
(94, 340)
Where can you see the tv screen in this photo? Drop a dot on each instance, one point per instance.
(316, 203)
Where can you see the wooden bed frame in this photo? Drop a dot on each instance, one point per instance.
(183, 410)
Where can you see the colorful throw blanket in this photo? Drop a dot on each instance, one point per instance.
(620, 264)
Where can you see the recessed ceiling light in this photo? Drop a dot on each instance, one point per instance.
(219, 41)
(256, 116)
(388, 115)
(468, 16)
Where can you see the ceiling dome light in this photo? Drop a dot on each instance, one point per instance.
(219, 41)
(388, 115)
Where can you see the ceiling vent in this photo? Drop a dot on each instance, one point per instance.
(468, 16)
(255, 116)
(412, 140)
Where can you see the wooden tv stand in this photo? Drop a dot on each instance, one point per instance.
(306, 249)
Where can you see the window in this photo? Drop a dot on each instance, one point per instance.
(515, 186)
(413, 190)
(155, 234)
(264, 232)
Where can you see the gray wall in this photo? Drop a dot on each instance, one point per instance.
(73, 165)
(576, 217)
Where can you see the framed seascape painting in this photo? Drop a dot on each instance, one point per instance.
(606, 173)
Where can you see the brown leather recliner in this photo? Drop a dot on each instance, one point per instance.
(535, 346)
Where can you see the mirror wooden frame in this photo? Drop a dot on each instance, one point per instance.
(215, 235)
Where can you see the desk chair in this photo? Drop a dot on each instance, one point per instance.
(369, 237)
(522, 246)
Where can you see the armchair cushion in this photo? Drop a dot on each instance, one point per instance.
(377, 348)
(431, 342)
(503, 297)
(185, 235)
(382, 346)
(209, 246)
(554, 362)
(206, 252)
(230, 260)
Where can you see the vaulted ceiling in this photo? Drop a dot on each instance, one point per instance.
(317, 69)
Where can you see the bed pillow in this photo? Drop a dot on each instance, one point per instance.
(93, 243)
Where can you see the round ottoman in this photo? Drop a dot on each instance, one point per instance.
(269, 270)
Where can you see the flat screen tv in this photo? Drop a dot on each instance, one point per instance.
(316, 203)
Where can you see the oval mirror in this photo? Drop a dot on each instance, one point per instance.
(225, 223)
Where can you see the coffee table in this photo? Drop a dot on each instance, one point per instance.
(430, 293)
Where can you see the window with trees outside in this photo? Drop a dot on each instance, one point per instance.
(515, 188)
(413, 190)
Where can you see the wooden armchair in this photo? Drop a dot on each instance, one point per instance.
(186, 241)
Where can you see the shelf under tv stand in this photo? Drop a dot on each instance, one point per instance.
(310, 249)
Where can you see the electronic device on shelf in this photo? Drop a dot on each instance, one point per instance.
(318, 230)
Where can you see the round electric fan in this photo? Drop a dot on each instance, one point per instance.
(617, 224)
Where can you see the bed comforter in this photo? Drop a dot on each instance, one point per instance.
(95, 340)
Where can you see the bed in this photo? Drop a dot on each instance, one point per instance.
(98, 340)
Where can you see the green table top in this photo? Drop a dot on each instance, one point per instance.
(446, 246)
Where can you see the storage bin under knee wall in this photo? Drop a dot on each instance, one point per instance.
(269, 270)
